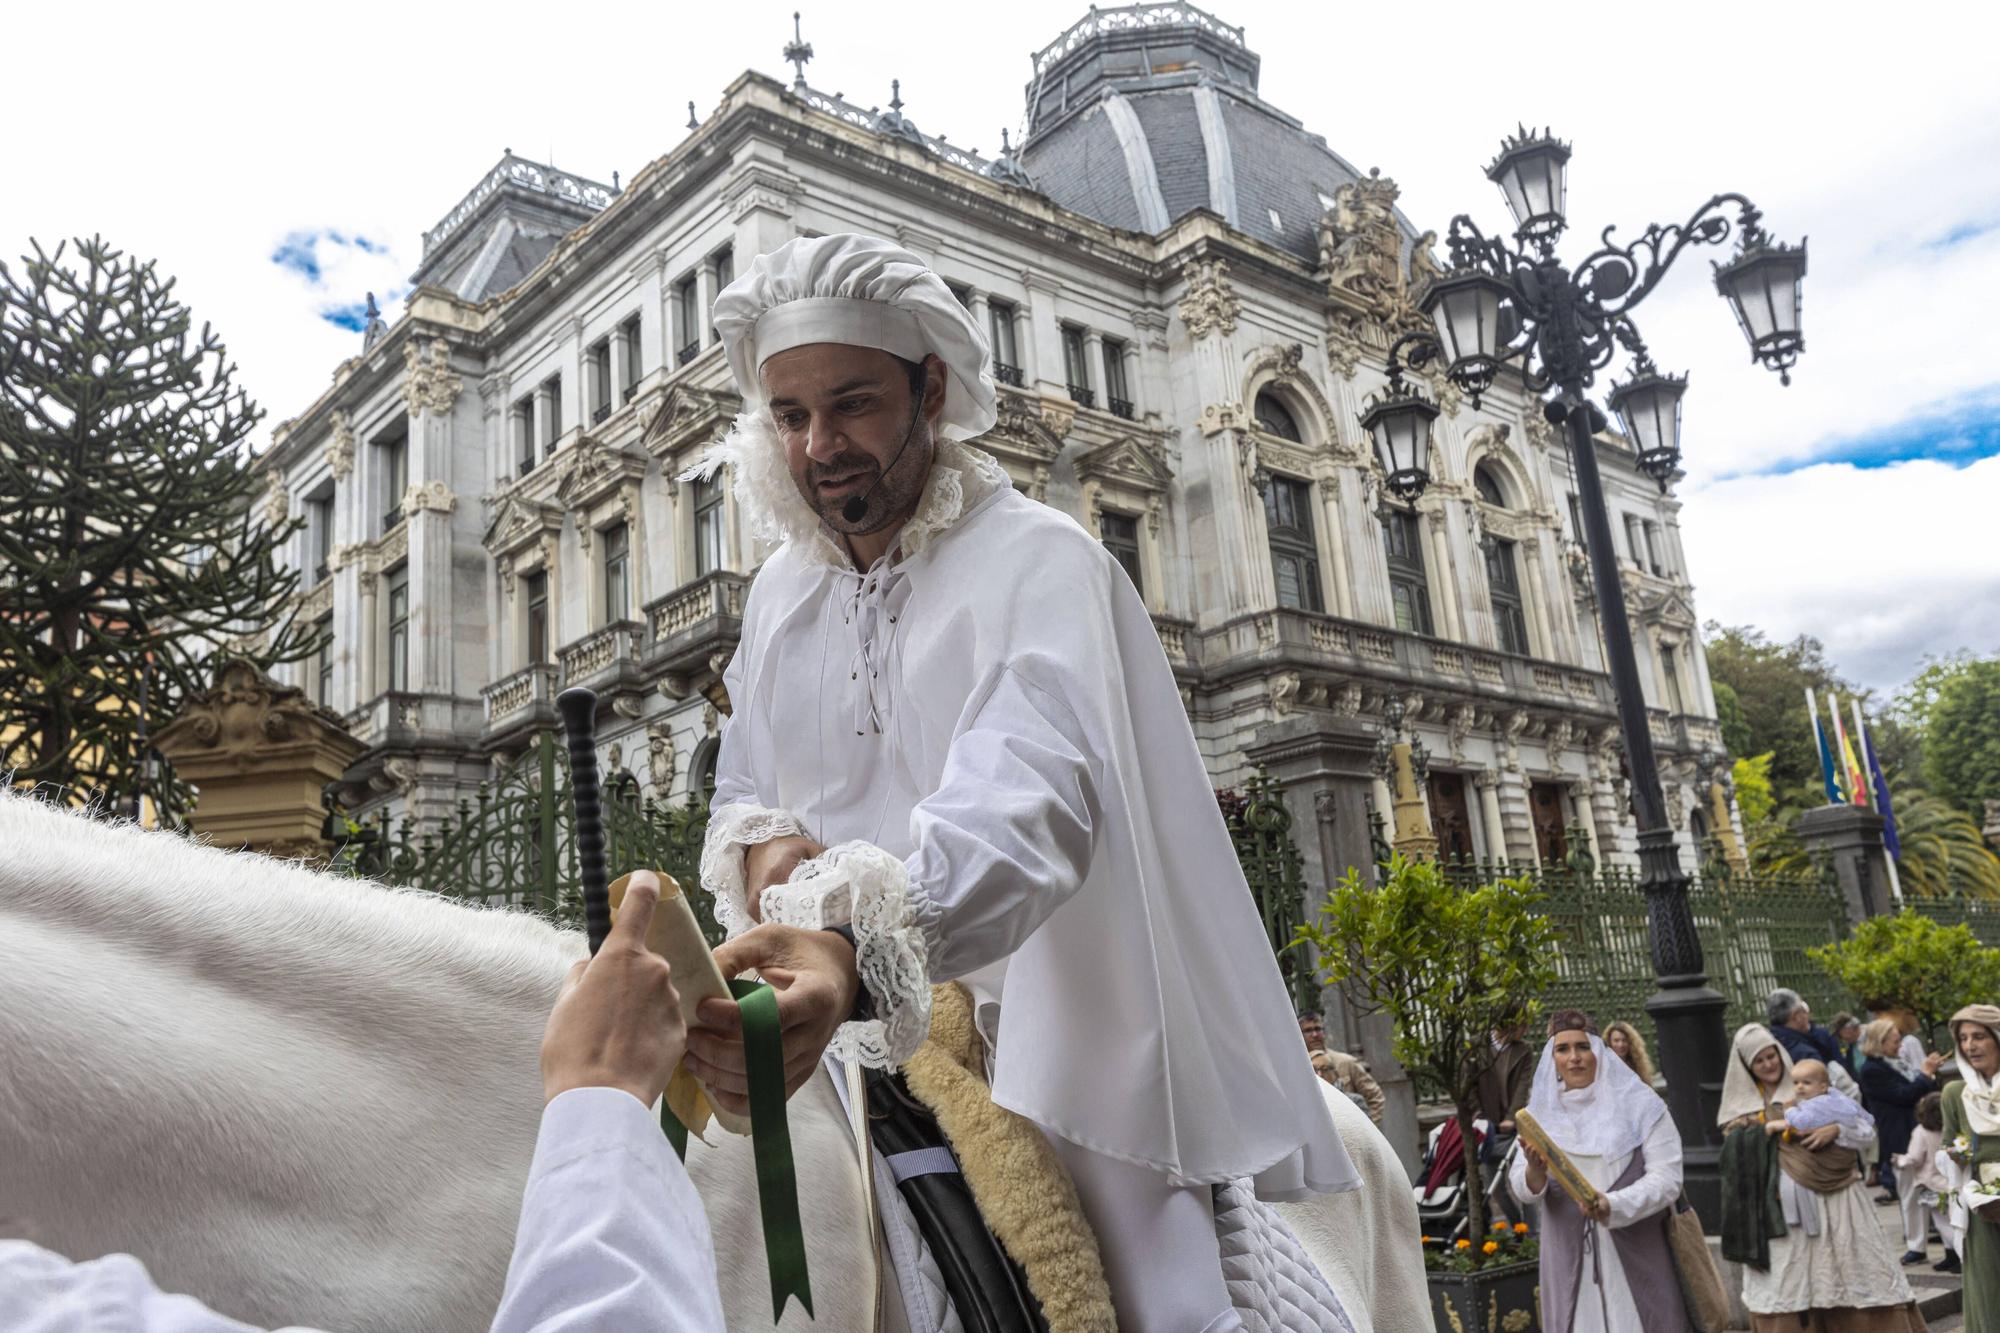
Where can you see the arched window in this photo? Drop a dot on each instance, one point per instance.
(1274, 418)
(701, 771)
(1488, 486)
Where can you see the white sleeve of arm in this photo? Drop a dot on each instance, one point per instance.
(41, 1292)
(1857, 1135)
(1002, 843)
(1660, 1185)
(612, 1234)
(1517, 1180)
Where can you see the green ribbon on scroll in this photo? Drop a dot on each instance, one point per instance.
(771, 1144)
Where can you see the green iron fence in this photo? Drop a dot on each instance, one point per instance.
(1260, 829)
(513, 843)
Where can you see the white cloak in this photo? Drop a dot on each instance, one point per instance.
(988, 737)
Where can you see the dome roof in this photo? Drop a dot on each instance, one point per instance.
(1140, 115)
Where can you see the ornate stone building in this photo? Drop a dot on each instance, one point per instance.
(1189, 297)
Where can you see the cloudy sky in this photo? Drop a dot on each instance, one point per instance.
(282, 167)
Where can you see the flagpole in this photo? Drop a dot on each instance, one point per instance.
(1844, 756)
(1819, 743)
(1874, 766)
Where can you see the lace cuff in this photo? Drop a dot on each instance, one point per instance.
(859, 884)
(731, 830)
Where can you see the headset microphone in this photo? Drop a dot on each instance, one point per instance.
(856, 508)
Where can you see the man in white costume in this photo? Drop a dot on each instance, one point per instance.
(611, 1233)
(956, 736)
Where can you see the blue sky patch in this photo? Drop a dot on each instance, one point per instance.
(1957, 433)
(300, 253)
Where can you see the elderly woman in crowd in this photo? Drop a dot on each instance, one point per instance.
(1972, 1143)
(1891, 1088)
(1623, 1040)
(1814, 1257)
(1609, 1269)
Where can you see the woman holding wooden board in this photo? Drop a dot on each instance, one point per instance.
(1601, 1157)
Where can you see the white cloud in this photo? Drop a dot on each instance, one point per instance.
(1873, 133)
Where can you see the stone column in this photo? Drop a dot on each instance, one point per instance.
(1041, 354)
(1340, 575)
(430, 392)
(1093, 365)
(1444, 588)
(260, 756)
(982, 316)
(1534, 594)
(704, 304)
(368, 675)
(1487, 780)
(1132, 372)
(1850, 838)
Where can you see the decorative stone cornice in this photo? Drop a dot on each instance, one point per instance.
(688, 417)
(277, 502)
(1128, 462)
(428, 384)
(594, 473)
(1210, 304)
(760, 187)
(340, 448)
(518, 523)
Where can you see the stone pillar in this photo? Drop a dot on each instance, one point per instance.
(1041, 354)
(1849, 838)
(982, 316)
(1093, 368)
(1331, 758)
(704, 307)
(260, 755)
(1487, 780)
(1132, 373)
(1339, 575)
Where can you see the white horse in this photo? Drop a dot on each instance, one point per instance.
(304, 1099)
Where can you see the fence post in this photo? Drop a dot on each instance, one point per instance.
(1849, 839)
(545, 753)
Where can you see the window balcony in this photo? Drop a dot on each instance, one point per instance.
(391, 720)
(1006, 374)
(689, 352)
(605, 659)
(631, 390)
(692, 624)
(1324, 645)
(522, 702)
(1081, 396)
(1121, 407)
(599, 413)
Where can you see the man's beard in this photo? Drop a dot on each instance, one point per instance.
(891, 493)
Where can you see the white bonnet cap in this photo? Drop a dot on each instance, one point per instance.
(864, 292)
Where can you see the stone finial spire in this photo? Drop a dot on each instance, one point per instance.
(798, 51)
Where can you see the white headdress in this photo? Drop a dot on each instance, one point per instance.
(1741, 1093)
(1609, 1118)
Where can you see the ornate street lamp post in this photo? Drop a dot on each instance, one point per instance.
(1504, 303)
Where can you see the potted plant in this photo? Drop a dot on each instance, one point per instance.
(1448, 965)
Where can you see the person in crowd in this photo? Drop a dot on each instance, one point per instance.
(1342, 1070)
(1827, 1267)
(1911, 1046)
(1925, 1189)
(1846, 1030)
(1504, 1086)
(611, 1234)
(1791, 1024)
(1971, 1134)
(1606, 1268)
(1623, 1040)
(1891, 1088)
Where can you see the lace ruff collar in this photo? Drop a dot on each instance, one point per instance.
(961, 477)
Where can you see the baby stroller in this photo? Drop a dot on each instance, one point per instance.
(1440, 1187)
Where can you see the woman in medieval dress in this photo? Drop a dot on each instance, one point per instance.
(1608, 1269)
(1831, 1270)
(1972, 1142)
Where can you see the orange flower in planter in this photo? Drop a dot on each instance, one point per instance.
(1490, 1247)
(1464, 1245)
(1520, 1228)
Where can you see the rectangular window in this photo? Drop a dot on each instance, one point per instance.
(1294, 553)
(552, 390)
(708, 516)
(1409, 587)
(319, 532)
(536, 587)
(1654, 561)
(630, 332)
(1504, 581)
(1121, 537)
(687, 320)
(598, 367)
(399, 628)
(394, 457)
(323, 687)
(617, 567)
(524, 436)
(1076, 365)
(1117, 395)
(1670, 671)
(1000, 332)
(725, 268)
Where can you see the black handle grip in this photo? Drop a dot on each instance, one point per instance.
(578, 707)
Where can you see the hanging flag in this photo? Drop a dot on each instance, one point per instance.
(1850, 767)
(1889, 838)
(1834, 796)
